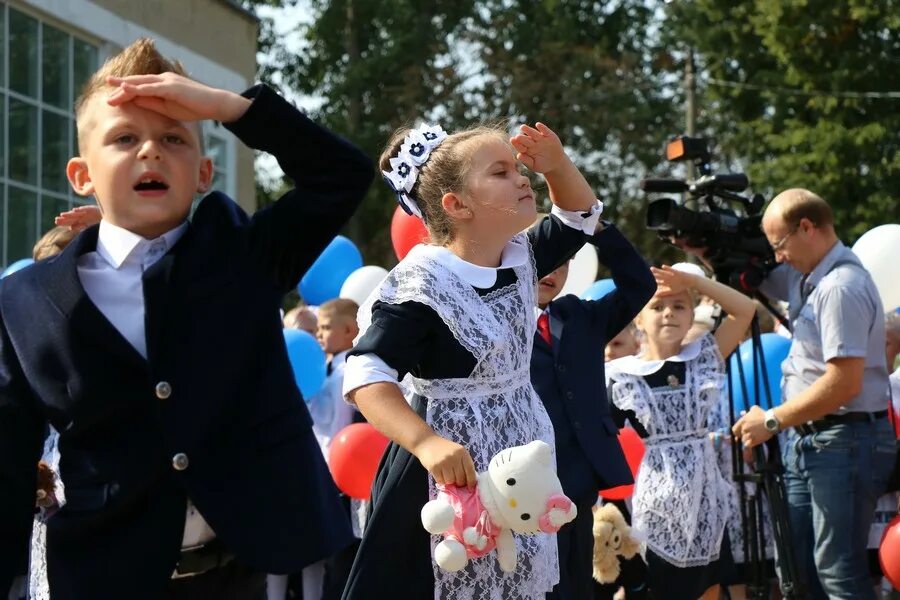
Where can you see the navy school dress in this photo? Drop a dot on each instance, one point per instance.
(394, 558)
(663, 577)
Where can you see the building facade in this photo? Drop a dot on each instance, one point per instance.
(48, 48)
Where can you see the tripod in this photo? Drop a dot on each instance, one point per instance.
(767, 474)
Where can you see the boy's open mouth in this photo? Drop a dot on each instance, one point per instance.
(149, 183)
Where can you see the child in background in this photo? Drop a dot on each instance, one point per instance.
(335, 332)
(572, 387)
(458, 315)
(626, 343)
(301, 317)
(667, 393)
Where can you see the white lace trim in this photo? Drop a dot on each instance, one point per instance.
(680, 499)
(494, 408)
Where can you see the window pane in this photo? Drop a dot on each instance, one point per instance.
(2, 64)
(56, 67)
(217, 150)
(2, 142)
(23, 52)
(23, 143)
(55, 150)
(85, 63)
(3, 236)
(22, 224)
(50, 207)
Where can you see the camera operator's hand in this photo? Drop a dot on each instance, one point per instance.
(751, 428)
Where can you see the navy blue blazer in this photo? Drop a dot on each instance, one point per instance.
(216, 386)
(570, 379)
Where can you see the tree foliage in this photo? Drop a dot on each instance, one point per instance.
(790, 94)
(779, 89)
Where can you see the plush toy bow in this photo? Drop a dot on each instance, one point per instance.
(560, 510)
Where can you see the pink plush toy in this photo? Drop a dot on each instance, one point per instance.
(519, 493)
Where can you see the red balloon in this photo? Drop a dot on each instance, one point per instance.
(353, 458)
(889, 552)
(633, 448)
(406, 232)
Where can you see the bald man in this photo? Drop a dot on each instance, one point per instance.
(840, 445)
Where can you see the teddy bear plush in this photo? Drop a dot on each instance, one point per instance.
(613, 537)
(519, 493)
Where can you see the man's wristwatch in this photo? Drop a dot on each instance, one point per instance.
(771, 421)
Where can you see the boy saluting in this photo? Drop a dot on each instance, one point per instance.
(154, 346)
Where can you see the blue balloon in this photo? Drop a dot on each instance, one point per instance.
(16, 266)
(325, 277)
(598, 289)
(307, 360)
(775, 349)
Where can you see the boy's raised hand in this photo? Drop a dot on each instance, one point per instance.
(177, 97)
(539, 148)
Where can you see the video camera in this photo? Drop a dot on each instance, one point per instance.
(735, 245)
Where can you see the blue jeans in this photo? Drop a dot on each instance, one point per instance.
(833, 479)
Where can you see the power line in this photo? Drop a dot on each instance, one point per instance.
(798, 92)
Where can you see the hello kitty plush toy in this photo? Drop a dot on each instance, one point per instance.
(519, 493)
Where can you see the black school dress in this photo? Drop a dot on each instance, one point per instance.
(394, 559)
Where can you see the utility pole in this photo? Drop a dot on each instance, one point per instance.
(690, 98)
(354, 108)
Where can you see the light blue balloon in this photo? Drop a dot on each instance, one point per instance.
(16, 266)
(307, 360)
(775, 349)
(598, 289)
(325, 277)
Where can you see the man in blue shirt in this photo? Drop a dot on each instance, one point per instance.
(839, 449)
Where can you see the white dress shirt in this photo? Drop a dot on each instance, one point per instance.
(366, 369)
(111, 277)
(327, 408)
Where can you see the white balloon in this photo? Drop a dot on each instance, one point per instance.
(582, 271)
(878, 250)
(362, 282)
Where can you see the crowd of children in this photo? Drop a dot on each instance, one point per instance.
(471, 325)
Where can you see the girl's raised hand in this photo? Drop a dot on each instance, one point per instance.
(538, 148)
(79, 217)
(671, 281)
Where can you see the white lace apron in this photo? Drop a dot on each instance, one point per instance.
(680, 498)
(492, 409)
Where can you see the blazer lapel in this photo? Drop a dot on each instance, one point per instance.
(63, 287)
(158, 297)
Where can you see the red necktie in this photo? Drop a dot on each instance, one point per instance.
(543, 327)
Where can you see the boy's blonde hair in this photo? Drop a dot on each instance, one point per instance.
(140, 58)
(445, 171)
(53, 242)
(339, 309)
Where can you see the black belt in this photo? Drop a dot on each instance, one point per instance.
(200, 559)
(832, 420)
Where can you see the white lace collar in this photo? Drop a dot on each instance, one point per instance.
(514, 255)
(635, 365)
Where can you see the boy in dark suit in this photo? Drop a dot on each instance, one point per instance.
(154, 346)
(567, 373)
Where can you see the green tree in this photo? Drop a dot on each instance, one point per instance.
(591, 71)
(804, 93)
(374, 66)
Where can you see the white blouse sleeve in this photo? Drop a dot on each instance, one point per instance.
(585, 221)
(366, 369)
